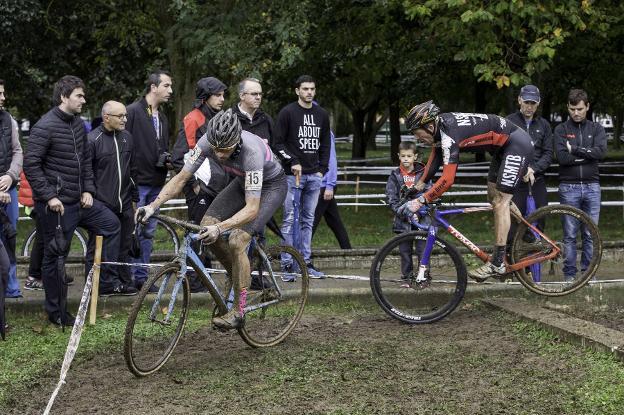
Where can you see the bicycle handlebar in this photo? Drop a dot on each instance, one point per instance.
(184, 224)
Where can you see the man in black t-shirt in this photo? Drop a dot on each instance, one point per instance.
(302, 141)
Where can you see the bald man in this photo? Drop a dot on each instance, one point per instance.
(111, 151)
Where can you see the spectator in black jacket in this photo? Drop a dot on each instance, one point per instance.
(58, 167)
(11, 160)
(150, 131)
(541, 135)
(252, 118)
(302, 141)
(112, 157)
(210, 179)
(580, 145)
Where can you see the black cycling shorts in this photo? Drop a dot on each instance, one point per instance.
(510, 162)
(232, 199)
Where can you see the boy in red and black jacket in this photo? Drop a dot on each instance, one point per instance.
(399, 189)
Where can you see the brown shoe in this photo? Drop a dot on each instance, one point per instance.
(231, 320)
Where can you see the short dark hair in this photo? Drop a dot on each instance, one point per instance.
(64, 88)
(408, 145)
(2, 82)
(577, 95)
(154, 79)
(302, 79)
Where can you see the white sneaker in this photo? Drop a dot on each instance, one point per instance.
(486, 271)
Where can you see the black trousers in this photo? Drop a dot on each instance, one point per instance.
(126, 220)
(329, 210)
(36, 253)
(98, 219)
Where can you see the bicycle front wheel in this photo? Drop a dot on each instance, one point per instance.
(156, 321)
(277, 302)
(580, 244)
(415, 302)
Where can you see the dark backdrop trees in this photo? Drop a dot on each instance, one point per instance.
(374, 57)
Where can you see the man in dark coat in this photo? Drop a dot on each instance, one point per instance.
(58, 167)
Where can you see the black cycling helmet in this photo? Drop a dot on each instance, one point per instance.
(421, 114)
(224, 129)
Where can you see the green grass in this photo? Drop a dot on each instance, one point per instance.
(600, 391)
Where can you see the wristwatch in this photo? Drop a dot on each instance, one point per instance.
(422, 199)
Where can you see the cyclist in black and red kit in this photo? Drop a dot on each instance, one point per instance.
(455, 132)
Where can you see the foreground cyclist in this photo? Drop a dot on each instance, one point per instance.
(243, 207)
(451, 133)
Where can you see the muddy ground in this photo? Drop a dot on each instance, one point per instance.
(476, 361)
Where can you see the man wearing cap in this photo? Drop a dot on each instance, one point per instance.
(210, 179)
(541, 135)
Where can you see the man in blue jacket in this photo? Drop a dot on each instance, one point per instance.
(580, 144)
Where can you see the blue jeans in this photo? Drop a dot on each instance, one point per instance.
(12, 211)
(584, 196)
(310, 186)
(147, 194)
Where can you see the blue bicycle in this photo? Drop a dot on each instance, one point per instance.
(161, 308)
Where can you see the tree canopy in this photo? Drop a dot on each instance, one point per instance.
(372, 58)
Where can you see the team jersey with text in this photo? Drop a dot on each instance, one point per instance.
(463, 132)
(255, 161)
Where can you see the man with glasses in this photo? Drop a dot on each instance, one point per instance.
(251, 117)
(112, 156)
(580, 144)
(58, 168)
(541, 134)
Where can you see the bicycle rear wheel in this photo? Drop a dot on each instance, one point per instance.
(572, 268)
(156, 321)
(165, 237)
(412, 302)
(78, 246)
(282, 293)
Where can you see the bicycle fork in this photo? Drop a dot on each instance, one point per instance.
(422, 277)
(174, 294)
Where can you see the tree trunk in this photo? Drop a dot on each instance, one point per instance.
(370, 126)
(618, 120)
(395, 130)
(358, 150)
(547, 106)
(480, 102)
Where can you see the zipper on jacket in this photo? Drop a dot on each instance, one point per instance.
(79, 166)
(118, 172)
(581, 145)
